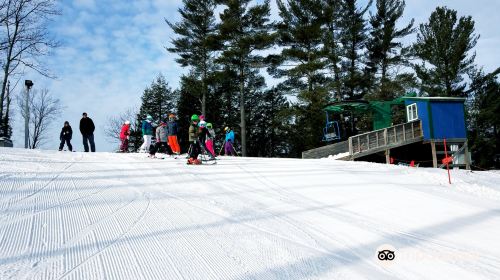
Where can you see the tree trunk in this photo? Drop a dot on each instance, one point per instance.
(243, 125)
(204, 94)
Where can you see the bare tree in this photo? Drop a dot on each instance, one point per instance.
(113, 126)
(43, 110)
(24, 38)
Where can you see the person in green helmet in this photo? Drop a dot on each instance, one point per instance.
(210, 140)
(194, 133)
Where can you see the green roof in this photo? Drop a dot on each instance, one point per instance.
(437, 99)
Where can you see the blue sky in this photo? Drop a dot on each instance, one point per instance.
(112, 50)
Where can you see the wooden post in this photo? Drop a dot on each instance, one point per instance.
(359, 145)
(412, 131)
(368, 141)
(434, 156)
(388, 156)
(466, 155)
(385, 136)
(395, 135)
(350, 146)
(404, 133)
(376, 135)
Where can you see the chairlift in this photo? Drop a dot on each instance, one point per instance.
(331, 131)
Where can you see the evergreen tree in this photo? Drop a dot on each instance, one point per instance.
(158, 100)
(269, 137)
(386, 52)
(196, 43)
(353, 37)
(300, 34)
(186, 106)
(331, 44)
(443, 45)
(484, 120)
(244, 30)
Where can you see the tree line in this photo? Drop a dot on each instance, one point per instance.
(317, 52)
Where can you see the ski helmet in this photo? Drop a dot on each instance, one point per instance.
(195, 117)
(127, 122)
(226, 129)
(202, 124)
(149, 117)
(209, 125)
(202, 117)
(171, 116)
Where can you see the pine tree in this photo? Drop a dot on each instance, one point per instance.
(484, 119)
(158, 100)
(244, 30)
(443, 45)
(302, 65)
(196, 43)
(332, 47)
(186, 106)
(386, 52)
(353, 37)
(270, 118)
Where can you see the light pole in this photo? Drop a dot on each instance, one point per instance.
(28, 84)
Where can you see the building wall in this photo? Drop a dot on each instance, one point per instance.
(423, 116)
(448, 119)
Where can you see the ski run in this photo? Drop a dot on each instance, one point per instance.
(124, 216)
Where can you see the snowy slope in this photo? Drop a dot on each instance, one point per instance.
(123, 216)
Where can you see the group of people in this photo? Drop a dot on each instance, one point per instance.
(87, 128)
(201, 139)
(165, 133)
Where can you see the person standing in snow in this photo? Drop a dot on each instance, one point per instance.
(210, 139)
(172, 134)
(87, 128)
(204, 135)
(147, 133)
(228, 145)
(124, 136)
(65, 136)
(161, 140)
(194, 141)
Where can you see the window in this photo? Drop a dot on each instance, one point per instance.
(411, 112)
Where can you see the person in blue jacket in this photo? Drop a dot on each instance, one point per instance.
(147, 133)
(228, 146)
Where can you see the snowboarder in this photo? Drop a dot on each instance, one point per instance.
(194, 141)
(161, 144)
(204, 135)
(172, 134)
(147, 133)
(124, 136)
(87, 128)
(65, 136)
(228, 145)
(210, 139)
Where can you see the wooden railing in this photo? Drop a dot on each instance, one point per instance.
(385, 138)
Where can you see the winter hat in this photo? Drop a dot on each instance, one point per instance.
(127, 122)
(66, 123)
(149, 117)
(202, 124)
(202, 117)
(171, 116)
(209, 125)
(195, 117)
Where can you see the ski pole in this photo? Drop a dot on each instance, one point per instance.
(220, 151)
(234, 149)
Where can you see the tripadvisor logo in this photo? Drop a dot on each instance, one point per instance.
(385, 254)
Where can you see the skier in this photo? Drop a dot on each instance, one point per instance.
(65, 136)
(194, 141)
(204, 135)
(210, 139)
(87, 128)
(228, 145)
(172, 135)
(124, 136)
(147, 133)
(161, 141)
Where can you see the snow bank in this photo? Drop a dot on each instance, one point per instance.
(123, 216)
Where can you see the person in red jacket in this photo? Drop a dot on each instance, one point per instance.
(124, 135)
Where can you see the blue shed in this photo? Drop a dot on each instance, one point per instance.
(441, 117)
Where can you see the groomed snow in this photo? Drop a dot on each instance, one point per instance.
(124, 216)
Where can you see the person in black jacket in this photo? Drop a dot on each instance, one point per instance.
(87, 129)
(65, 136)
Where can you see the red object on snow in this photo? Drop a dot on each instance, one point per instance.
(391, 160)
(125, 131)
(412, 163)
